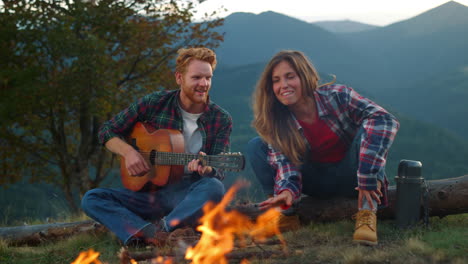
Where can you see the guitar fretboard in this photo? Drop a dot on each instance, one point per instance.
(171, 158)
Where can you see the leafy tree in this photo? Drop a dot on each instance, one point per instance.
(66, 66)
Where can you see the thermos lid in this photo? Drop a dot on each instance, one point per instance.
(410, 169)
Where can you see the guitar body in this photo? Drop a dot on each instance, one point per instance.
(147, 140)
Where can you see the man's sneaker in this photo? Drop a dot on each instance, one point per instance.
(151, 235)
(184, 235)
(159, 239)
(365, 231)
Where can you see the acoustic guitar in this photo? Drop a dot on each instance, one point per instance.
(163, 149)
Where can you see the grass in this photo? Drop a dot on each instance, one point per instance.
(445, 241)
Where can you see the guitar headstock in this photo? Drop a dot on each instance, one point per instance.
(232, 161)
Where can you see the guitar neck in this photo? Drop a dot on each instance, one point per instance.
(171, 158)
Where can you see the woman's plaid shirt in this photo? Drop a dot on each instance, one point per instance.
(345, 112)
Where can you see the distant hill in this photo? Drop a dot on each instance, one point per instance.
(445, 94)
(388, 63)
(344, 26)
(421, 60)
(253, 38)
(414, 49)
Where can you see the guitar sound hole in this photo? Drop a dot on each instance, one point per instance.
(152, 157)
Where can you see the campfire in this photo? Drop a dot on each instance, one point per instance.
(221, 229)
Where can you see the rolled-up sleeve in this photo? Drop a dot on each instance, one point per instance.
(380, 128)
(288, 177)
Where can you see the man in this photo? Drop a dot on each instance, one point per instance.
(147, 215)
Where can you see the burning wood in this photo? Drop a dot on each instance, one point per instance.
(220, 228)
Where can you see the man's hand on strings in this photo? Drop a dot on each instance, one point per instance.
(196, 166)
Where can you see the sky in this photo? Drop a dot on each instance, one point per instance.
(374, 12)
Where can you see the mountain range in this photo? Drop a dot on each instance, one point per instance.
(343, 26)
(417, 66)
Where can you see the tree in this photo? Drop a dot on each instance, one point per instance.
(67, 66)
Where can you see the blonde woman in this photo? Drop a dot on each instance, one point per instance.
(320, 140)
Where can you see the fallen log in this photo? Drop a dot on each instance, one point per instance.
(35, 234)
(445, 197)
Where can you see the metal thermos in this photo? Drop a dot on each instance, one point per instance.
(409, 184)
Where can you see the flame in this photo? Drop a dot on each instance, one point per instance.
(161, 260)
(220, 228)
(87, 257)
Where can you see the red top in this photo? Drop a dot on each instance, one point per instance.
(325, 145)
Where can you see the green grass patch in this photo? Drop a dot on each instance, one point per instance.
(444, 241)
(65, 251)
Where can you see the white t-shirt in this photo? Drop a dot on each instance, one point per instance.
(192, 135)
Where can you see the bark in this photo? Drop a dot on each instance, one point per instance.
(445, 197)
(35, 234)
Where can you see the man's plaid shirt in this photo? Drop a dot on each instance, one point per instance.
(345, 112)
(160, 110)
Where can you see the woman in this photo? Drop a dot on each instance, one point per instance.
(320, 140)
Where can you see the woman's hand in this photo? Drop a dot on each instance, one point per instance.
(284, 199)
(196, 165)
(370, 195)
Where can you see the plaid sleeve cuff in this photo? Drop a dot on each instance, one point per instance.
(289, 186)
(367, 183)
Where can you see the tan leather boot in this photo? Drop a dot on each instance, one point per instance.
(365, 231)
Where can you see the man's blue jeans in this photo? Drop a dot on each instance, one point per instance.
(321, 180)
(125, 212)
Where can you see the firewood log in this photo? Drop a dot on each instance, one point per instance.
(35, 234)
(445, 197)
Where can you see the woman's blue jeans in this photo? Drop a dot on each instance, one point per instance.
(125, 212)
(320, 180)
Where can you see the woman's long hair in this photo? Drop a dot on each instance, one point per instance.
(272, 119)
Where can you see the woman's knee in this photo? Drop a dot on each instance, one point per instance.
(257, 151)
(255, 144)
